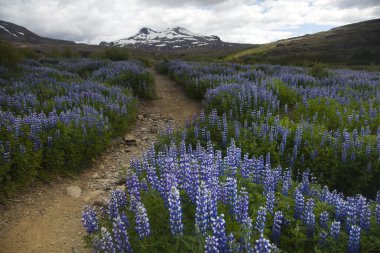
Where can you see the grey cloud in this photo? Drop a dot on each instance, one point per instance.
(250, 21)
(176, 3)
(345, 4)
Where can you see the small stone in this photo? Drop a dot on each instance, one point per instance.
(153, 129)
(100, 202)
(119, 180)
(95, 176)
(143, 129)
(74, 191)
(121, 187)
(140, 117)
(92, 195)
(129, 139)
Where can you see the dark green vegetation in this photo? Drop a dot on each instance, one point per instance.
(354, 44)
(57, 114)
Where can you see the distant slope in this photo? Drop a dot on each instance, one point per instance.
(353, 44)
(172, 39)
(14, 33)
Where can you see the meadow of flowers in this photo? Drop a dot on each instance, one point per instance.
(56, 116)
(279, 161)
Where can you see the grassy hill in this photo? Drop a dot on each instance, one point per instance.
(353, 44)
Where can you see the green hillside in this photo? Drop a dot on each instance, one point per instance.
(353, 44)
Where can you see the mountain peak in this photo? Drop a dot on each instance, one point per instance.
(172, 38)
(145, 30)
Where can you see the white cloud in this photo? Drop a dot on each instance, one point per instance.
(245, 21)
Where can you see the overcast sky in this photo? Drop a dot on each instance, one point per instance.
(244, 21)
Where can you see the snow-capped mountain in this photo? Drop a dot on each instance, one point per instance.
(171, 39)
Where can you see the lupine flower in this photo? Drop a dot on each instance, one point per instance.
(309, 218)
(354, 239)
(142, 221)
(211, 245)
(117, 200)
(262, 245)
(377, 213)
(286, 182)
(270, 201)
(175, 212)
(299, 206)
(276, 230)
(201, 214)
(218, 226)
(335, 230)
(322, 238)
(89, 220)
(323, 218)
(231, 191)
(106, 243)
(230, 243)
(364, 217)
(121, 236)
(260, 220)
(242, 206)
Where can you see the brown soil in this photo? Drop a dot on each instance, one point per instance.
(46, 219)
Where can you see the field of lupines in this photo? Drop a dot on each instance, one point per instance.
(250, 174)
(57, 115)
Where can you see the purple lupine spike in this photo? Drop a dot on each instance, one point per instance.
(335, 229)
(377, 213)
(175, 212)
(231, 191)
(201, 214)
(260, 220)
(133, 185)
(364, 217)
(322, 241)
(299, 205)
(212, 207)
(242, 206)
(262, 245)
(89, 220)
(230, 243)
(276, 230)
(247, 232)
(124, 219)
(323, 218)
(309, 218)
(106, 243)
(211, 245)
(286, 182)
(121, 236)
(218, 226)
(142, 221)
(354, 239)
(270, 201)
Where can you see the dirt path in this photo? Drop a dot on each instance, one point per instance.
(47, 219)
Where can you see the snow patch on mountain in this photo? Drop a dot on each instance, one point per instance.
(171, 38)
